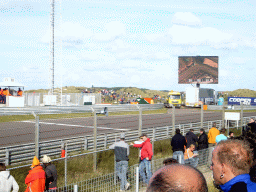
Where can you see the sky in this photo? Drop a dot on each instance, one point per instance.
(126, 43)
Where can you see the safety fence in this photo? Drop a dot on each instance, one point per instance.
(110, 182)
(77, 109)
(22, 153)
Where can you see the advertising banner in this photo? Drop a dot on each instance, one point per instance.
(245, 100)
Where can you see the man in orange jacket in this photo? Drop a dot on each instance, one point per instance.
(35, 179)
(1, 95)
(213, 132)
(19, 93)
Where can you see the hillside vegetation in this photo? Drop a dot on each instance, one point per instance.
(118, 90)
(240, 93)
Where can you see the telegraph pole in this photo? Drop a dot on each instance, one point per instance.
(52, 46)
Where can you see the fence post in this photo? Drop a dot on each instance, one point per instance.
(105, 141)
(7, 156)
(137, 179)
(242, 114)
(85, 143)
(223, 116)
(95, 143)
(114, 169)
(75, 188)
(179, 158)
(202, 116)
(66, 163)
(167, 131)
(173, 120)
(140, 121)
(37, 137)
(153, 142)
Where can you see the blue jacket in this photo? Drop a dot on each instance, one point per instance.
(242, 183)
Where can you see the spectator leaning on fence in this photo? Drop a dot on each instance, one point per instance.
(178, 144)
(213, 132)
(231, 163)
(51, 174)
(221, 136)
(177, 177)
(7, 182)
(146, 156)
(121, 150)
(190, 157)
(202, 140)
(191, 138)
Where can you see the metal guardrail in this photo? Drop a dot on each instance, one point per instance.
(77, 109)
(22, 153)
(229, 107)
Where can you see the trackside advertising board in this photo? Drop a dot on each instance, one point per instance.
(245, 100)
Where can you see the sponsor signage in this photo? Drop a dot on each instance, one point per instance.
(232, 116)
(245, 100)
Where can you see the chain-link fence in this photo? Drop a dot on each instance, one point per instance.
(110, 182)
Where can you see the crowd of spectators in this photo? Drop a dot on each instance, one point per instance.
(41, 178)
(6, 92)
(232, 163)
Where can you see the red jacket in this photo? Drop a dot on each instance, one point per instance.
(146, 149)
(35, 180)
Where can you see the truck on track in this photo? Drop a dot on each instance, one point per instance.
(173, 99)
(196, 96)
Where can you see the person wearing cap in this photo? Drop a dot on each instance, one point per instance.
(121, 150)
(50, 173)
(35, 179)
(146, 156)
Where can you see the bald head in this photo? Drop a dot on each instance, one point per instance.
(177, 178)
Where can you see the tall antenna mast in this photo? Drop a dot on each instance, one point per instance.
(52, 48)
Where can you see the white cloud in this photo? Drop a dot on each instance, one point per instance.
(97, 55)
(113, 30)
(184, 35)
(186, 18)
(118, 45)
(70, 33)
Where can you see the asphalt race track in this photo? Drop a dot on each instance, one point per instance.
(15, 133)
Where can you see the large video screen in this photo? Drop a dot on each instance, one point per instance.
(198, 69)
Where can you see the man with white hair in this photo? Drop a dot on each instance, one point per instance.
(50, 173)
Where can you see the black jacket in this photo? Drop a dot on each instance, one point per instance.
(191, 139)
(51, 176)
(202, 141)
(253, 127)
(178, 142)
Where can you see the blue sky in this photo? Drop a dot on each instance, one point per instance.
(127, 42)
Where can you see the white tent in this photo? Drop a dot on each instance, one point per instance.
(11, 84)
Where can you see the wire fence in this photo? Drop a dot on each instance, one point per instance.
(63, 133)
(110, 182)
